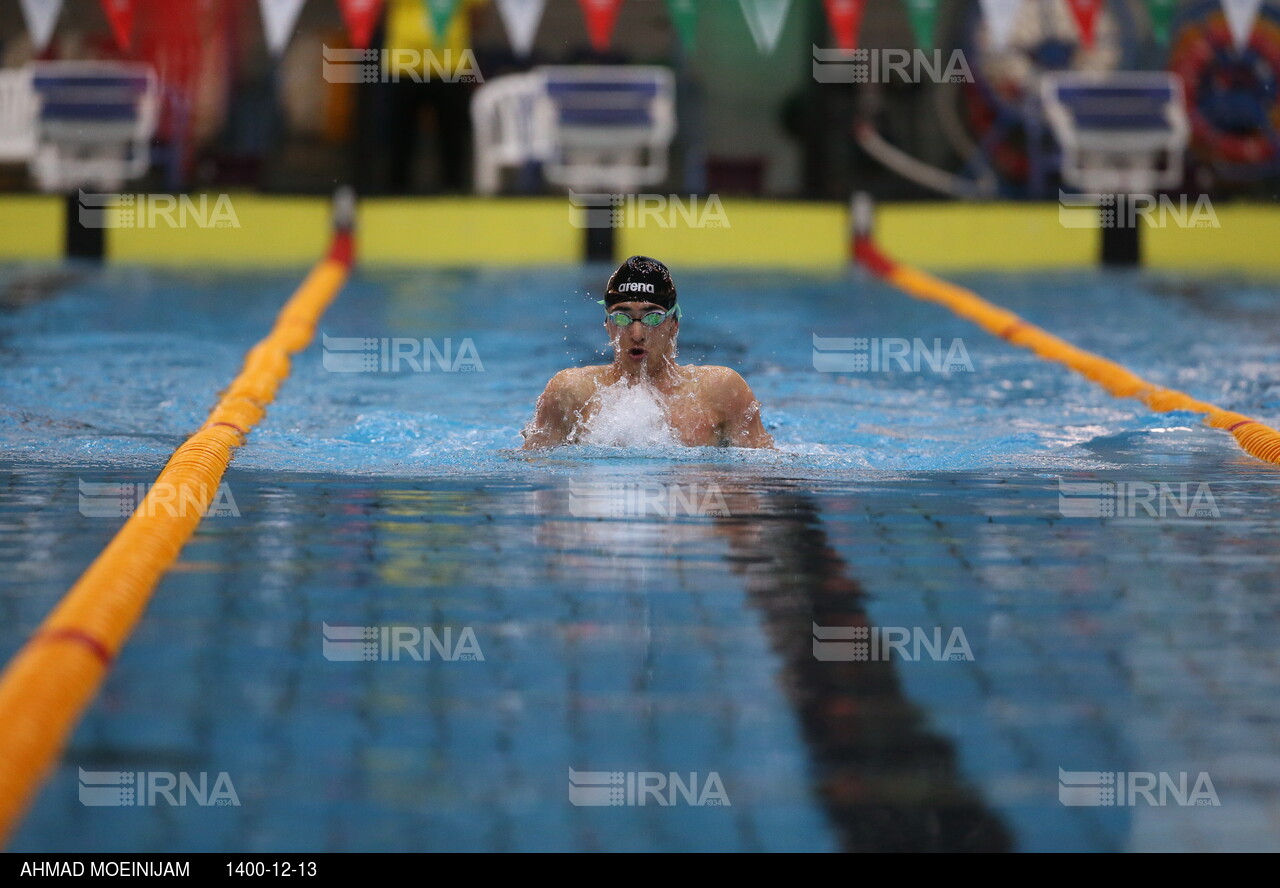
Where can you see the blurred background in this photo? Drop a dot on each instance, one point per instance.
(243, 101)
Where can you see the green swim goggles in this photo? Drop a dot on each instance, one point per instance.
(649, 319)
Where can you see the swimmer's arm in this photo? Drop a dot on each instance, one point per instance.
(742, 425)
(554, 418)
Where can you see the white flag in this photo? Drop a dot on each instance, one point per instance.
(41, 16)
(278, 19)
(1241, 14)
(521, 19)
(765, 18)
(1000, 15)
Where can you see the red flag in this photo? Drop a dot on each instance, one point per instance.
(360, 17)
(1085, 12)
(119, 15)
(845, 17)
(601, 16)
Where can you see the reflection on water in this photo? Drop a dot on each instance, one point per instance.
(643, 615)
(887, 782)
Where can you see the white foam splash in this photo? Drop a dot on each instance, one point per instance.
(629, 416)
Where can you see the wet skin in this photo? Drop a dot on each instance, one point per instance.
(705, 406)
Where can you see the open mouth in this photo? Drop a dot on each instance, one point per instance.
(636, 352)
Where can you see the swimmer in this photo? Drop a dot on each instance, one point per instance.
(702, 406)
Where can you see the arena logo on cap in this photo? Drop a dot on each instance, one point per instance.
(635, 287)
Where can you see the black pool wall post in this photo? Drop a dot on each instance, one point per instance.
(600, 243)
(84, 241)
(1121, 240)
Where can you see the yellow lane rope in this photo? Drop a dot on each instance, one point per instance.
(1255, 438)
(56, 674)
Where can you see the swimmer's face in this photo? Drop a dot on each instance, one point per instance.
(638, 345)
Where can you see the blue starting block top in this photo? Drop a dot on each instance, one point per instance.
(1094, 106)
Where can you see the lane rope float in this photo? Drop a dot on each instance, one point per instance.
(53, 678)
(1255, 438)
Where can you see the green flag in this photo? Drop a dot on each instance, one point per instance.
(441, 12)
(684, 15)
(924, 17)
(1161, 12)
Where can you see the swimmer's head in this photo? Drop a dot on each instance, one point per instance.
(641, 279)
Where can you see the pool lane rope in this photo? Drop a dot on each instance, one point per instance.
(56, 674)
(1256, 439)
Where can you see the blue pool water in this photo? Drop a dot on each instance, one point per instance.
(648, 610)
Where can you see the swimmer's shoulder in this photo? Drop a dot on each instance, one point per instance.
(575, 383)
(722, 379)
(727, 389)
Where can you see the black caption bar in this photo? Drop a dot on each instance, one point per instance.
(244, 867)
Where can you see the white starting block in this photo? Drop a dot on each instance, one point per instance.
(1123, 136)
(93, 125)
(593, 128)
(1123, 132)
(18, 110)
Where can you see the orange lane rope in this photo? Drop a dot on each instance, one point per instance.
(57, 673)
(1255, 438)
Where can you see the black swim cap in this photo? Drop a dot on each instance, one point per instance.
(641, 279)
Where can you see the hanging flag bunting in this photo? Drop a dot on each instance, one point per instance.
(765, 18)
(1161, 12)
(601, 16)
(924, 18)
(41, 16)
(1000, 15)
(442, 13)
(119, 15)
(360, 17)
(845, 17)
(278, 19)
(1085, 12)
(521, 19)
(684, 15)
(1241, 14)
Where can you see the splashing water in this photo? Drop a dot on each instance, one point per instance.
(629, 415)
